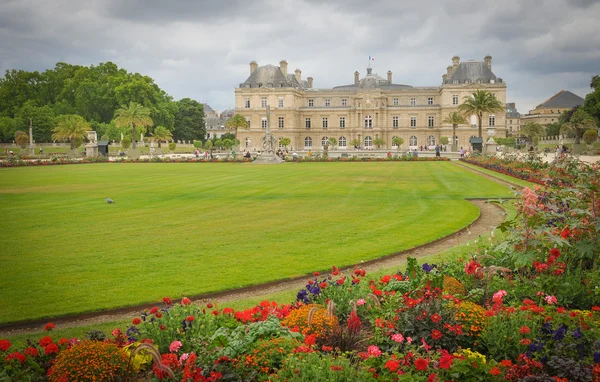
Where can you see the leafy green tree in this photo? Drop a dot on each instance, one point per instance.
(161, 134)
(72, 128)
(444, 140)
(592, 100)
(198, 144)
(189, 120)
(355, 142)
(228, 143)
(285, 141)
(134, 115)
(509, 141)
(235, 123)
(533, 131)
(480, 102)
(16, 88)
(125, 143)
(397, 141)
(455, 119)
(42, 119)
(378, 142)
(332, 142)
(553, 129)
(578, 124)
(172, 146)
(590, 136)
(7, 129)
(21, 138)
(219, 143)
(208, 145)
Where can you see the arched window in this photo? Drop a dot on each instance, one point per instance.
(342, 142)
(456, 140)
(248, 141)
(368, 141)
(412, 141)
(393, 145)
(308, 142)
(431, 140)
(280, 145)
(324, 141)
(368, 122)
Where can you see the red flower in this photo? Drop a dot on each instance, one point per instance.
(323, 285)
(158, 314)
(4, 345)
(190, 318)
(393, 365)
(162, 327)
(154, 310)
(436, 334)
(51, 348)
(186, 301)
(310, 339)
(167, 301)
(209, 305)
(506, 363)
(45, 341)
(136, 321)
(446, 361)
(471, 267)
(32, 352)
(316, 274)
(326, 348)
(565, 233)
(63, 341)
(555, 252)
(49, 326)
(228, 311)
(354, 322)
(524, 330)
(16, 355)
(341, 281)
(495, 371)
(334, 270)
(421, 364)
(336, 368)
(436, 318)
(525, 341)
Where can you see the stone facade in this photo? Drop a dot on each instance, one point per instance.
(549, 111)
(371, 108)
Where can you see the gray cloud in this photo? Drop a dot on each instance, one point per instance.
(201, 49)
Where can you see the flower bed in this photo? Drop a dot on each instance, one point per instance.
(524, 309)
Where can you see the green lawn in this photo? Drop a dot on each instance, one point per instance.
(184, 229)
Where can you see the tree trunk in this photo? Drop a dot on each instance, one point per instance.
(479, 119)
(133, 145)
(453, 145)
(72, 140)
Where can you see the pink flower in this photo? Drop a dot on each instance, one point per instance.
(551, 300)
(183, 357)
(409, 340)
(174, 347)
(539, 293)
(374, 351)
(360, 302)
(499, 295)
(398, 338)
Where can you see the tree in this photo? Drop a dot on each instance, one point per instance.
(72, 128)
(189, 120)
(42, 119)
(590, 136)
(235, 123)
(455, 119)
(332, 142)
(208, 145)
(378, 142)
(480, 102)
(198, 144)
(134, 115)
(285, 142)
(218, 143)
(444, 140)
(21, 138)
(397, 141)
(125, 143)
(578, 124)
(553, 129)
(161, 134)
(7, 129)
(227, 143)
(355, 142)
(592, 100)
(533, 131)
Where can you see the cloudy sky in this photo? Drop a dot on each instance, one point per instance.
(201, 48)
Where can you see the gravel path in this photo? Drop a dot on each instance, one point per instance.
(491, 215)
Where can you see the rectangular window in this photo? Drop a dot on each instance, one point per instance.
(311, 103)
(327, 102)
(413, 121)
(430, 121)
(395, 101)
(263, 102)
(247, 103)
(264, 123)
(430, 101)
(280, 101)
(455, 99)
(413, 101)
(308, 123)
(395, 122)
(342, 122)
(344, 102)
(511, 121)
(248, 123)
(492, 120)
(324, 122)
(281, 122)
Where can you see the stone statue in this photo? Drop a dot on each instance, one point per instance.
(267, 156)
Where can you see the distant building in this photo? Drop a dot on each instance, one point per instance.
(513, 119)
(549, 111)
(371, 109)
(215, 125)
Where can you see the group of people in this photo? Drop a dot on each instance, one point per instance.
(282, 153)
(437, 148)
(560, 152)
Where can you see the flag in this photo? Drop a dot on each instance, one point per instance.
(371, 58)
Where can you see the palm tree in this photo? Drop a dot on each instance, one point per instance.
(481, 101)
(134, 115)
(161, 134)
(72, 128)
(579, 123)
(532, 130)
(236, 122)
(455, 119)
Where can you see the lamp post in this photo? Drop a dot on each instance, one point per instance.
(31, 148)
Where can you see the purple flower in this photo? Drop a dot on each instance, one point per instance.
(428, 268)
(597, 357)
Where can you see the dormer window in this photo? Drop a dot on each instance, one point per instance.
(455, 82)
(311, 103)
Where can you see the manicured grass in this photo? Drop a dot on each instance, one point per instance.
(511, 179)
(184, 229)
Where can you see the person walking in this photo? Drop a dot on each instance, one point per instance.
(437, 150)
(462, 152)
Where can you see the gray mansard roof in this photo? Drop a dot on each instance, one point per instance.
(562, 99)
(372, 81)
(270, 76)
(472, 72)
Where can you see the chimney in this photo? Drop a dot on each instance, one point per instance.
(455, 61)
(253, 66)
(488, 61)
(389, 76)
(283, 67)
(298, 73)
(310, 81)
(444, 77)
(449, 70)
(356, 77)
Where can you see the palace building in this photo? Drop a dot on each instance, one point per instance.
(368, 113)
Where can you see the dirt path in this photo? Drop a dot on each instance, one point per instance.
(491, 215)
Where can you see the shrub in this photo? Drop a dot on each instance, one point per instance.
(310, 319)
(268, 355)
(590, 136)
(90, 360)
(172, 146)
(125, 143)
(311, 367)
(198, 144)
